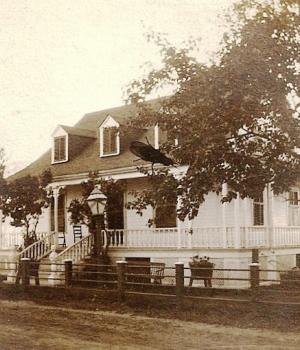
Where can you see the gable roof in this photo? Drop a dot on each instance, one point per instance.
(88, 159)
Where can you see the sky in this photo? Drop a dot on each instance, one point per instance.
(62, 59)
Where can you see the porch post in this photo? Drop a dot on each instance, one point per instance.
(224, 212)
(1, 238)
(237, 236)
(179, 226)
(270, 215)
(55, 197)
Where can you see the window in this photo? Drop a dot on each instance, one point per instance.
(59, 154)
(293, 209)
(166, 216)
(293, 198)
(258, 210)
(109, 141)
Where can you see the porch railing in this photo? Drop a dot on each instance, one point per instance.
(77, 251)
(254, 237)
(206, 237)
(286, 236)
(11, 239)
(39, 249)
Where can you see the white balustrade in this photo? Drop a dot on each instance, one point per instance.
(254, 237)
(200, 237)
(151, 238)
(39, 249)
(77, 251)
(286, 236)
(11, 239)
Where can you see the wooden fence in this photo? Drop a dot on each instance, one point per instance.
(175, 282)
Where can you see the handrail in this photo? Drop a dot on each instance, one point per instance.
(77, 251)
(38, 249)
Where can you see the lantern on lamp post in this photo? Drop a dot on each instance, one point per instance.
(97, 202)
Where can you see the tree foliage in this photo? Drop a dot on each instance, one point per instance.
(235, 120)
(24, 199)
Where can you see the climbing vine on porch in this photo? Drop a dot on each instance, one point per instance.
(79, 210)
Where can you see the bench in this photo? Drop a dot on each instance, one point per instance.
(145, 272)
(157, 272)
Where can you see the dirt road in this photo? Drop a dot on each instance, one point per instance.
(25, 325)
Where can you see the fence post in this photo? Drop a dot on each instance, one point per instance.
(121, 269)
(68, 272)
(25, 266)
(179, 273)
(254, 279)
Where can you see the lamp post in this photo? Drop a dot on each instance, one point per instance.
(97, 201)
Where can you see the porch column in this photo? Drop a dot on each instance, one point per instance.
(270, 215)
(1, 231)
(180, 228)
(247, 222)
(55, 197)
(224, 213)
(237, 234)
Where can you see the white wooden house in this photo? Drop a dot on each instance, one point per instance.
(225, 232)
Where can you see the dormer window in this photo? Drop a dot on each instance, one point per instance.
(60, 147)
(60, 154)
(109, 138)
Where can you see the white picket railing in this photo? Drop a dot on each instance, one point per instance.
(286, 236)
(254, 237)
(206, 237)
(77, 251)
(11, 239)
(39, 249)
(212, 237)
(143, 238)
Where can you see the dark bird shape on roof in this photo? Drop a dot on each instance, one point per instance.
(149, 153)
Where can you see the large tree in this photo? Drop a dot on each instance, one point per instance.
(235, 120)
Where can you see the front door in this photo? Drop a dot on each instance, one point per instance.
(115, 211)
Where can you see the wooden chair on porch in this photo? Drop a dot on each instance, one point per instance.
(77, 233)
(61, 239)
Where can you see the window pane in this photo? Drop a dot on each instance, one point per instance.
(110, 140)
(293, 198)
(258, 210)
(60, 148)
